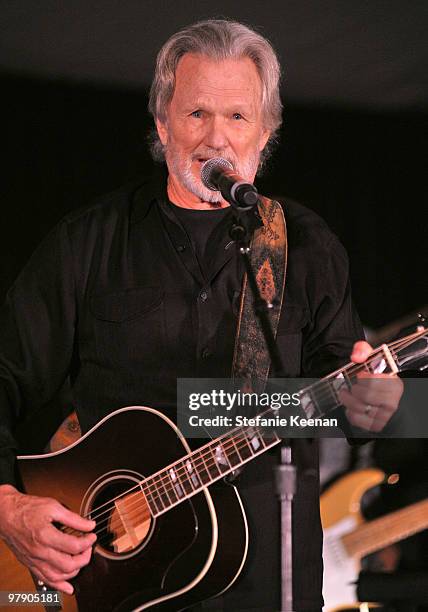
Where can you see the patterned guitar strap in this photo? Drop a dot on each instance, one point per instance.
(251, 360)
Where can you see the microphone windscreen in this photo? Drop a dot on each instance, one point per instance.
(208, 167)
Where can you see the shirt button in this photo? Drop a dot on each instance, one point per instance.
(204, 296)
(181, 248)
(206, 353)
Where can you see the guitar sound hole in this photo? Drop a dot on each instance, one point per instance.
(120, 509)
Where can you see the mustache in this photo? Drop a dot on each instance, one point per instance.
(205, 155)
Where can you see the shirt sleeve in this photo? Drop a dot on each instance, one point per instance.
(37, 325)
(335, 327)
(334, 323)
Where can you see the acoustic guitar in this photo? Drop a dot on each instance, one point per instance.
(170, 530)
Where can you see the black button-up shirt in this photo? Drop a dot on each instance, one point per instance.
(116, 299)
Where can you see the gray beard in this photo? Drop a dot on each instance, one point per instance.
(195, 186)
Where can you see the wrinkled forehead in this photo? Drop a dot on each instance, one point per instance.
(201, 75)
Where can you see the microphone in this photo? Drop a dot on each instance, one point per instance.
(218, 174)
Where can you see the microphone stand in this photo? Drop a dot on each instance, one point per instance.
(285, 470)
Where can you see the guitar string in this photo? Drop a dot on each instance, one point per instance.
(162, 499)
(414, 512)
(366, 530)
(165, 469)
(208, 446)
(366, 544)
(171, 488)
(327, 395)
(352, 368)
(208, 463)
(134, 509)
(186, 495)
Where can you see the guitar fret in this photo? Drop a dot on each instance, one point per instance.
(222, 455)
(268, 437)
(249, 445)
(339, 382)
(232, 452)
(155, 496)
(334, 394)
(253, 442)
(243, 444)
(235, 444)
(169, 487)
(347, 378)
(185, 481)
(176, 483)
(307, 404)
(163, 492)
(203, 473)
(219, 457)
(324, 397)
(149, 497)
(166, 477)
(213, 467)
(193, 473)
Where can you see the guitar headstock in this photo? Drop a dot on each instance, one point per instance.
(411, 351)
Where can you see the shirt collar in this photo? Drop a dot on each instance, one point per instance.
(155, 190)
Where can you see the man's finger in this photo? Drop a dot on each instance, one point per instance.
(70, 519)
(67, 564)
(361, 351)
(370, 422)
(365, 394)
(66, 543)
(63, 586)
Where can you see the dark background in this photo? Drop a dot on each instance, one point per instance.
(75, 81)
(74, 78)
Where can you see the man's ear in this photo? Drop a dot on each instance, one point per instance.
(263, 139)
(162, 131)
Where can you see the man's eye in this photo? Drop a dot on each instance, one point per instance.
(237, 116)
(197, 114)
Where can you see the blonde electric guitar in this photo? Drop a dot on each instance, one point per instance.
(348, 537)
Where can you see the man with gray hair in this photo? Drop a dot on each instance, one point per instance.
(142, 288)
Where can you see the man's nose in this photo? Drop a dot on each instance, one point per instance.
(216, 134)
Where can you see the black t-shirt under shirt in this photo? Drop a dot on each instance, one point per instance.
(200, 227)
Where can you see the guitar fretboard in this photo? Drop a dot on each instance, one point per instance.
(323, 396)
(386, 530)
(204, 466)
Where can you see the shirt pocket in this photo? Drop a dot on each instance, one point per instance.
(129, 327)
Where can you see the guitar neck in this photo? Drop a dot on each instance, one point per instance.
(406, 353)
(386, 530)
(220, 457)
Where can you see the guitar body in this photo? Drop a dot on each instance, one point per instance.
(340, 514)
(166, 563)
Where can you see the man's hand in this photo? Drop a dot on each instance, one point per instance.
(26, 524)
(373, 400)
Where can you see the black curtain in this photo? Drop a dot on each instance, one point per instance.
(362, 171)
